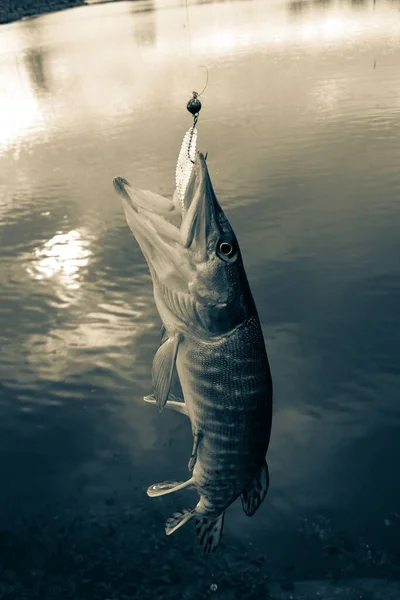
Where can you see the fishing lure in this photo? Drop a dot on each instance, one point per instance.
(187, 154)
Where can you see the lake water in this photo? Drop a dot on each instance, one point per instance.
(301, 121)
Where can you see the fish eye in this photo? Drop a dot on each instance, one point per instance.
(226, 249)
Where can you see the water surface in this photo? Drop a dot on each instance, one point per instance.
(301, 120)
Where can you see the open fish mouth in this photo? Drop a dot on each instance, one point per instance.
(184, 221)
(172, 233)
(190, 247)
(155, 222)
(163, 216)
(147, 211)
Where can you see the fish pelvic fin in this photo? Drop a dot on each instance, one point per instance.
(168, 487)
(163, 368)
(209, 530)
(256, 491)
(173, 403)
(178, 519)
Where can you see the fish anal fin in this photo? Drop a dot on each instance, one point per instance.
(173, 403)
(256, 491)
(163, 368)
(178, 519)
(168, 487)
(209, 530)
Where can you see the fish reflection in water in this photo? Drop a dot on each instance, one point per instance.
(211, 338)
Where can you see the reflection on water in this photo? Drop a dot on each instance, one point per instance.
(36, 67)
(145, 34)
(137, 78)
(24, 77)
(302, 133)
(19, 106)
(64, 255)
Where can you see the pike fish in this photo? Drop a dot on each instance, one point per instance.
(212, 343)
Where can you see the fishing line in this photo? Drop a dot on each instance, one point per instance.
(206, 84)
(194, 104)
(189, 34)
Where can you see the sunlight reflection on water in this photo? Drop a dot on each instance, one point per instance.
(62, 256)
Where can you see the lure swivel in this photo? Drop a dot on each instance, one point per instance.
(194, 107)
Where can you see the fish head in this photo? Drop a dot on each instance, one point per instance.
(193, 254)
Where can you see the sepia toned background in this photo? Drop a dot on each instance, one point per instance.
(301, 121)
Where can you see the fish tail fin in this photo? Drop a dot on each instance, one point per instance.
(209, 530)
(167, 487)
(178, 519)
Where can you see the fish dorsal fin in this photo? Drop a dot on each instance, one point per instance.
(209, 530)
(168, 487)
(163, 368)
(256, 491)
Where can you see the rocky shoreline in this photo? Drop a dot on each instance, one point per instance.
(12, 10)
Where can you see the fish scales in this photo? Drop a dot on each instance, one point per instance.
(231, 412)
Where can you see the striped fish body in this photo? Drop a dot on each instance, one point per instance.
(228, 394)
(211, 338)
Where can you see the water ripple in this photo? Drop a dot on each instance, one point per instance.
(301, 120)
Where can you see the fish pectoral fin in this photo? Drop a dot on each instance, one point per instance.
(173, 402)
(163, 368)
(167, 487)
(178, 519)
(209, 530)
(197, 435)
(256, 491)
